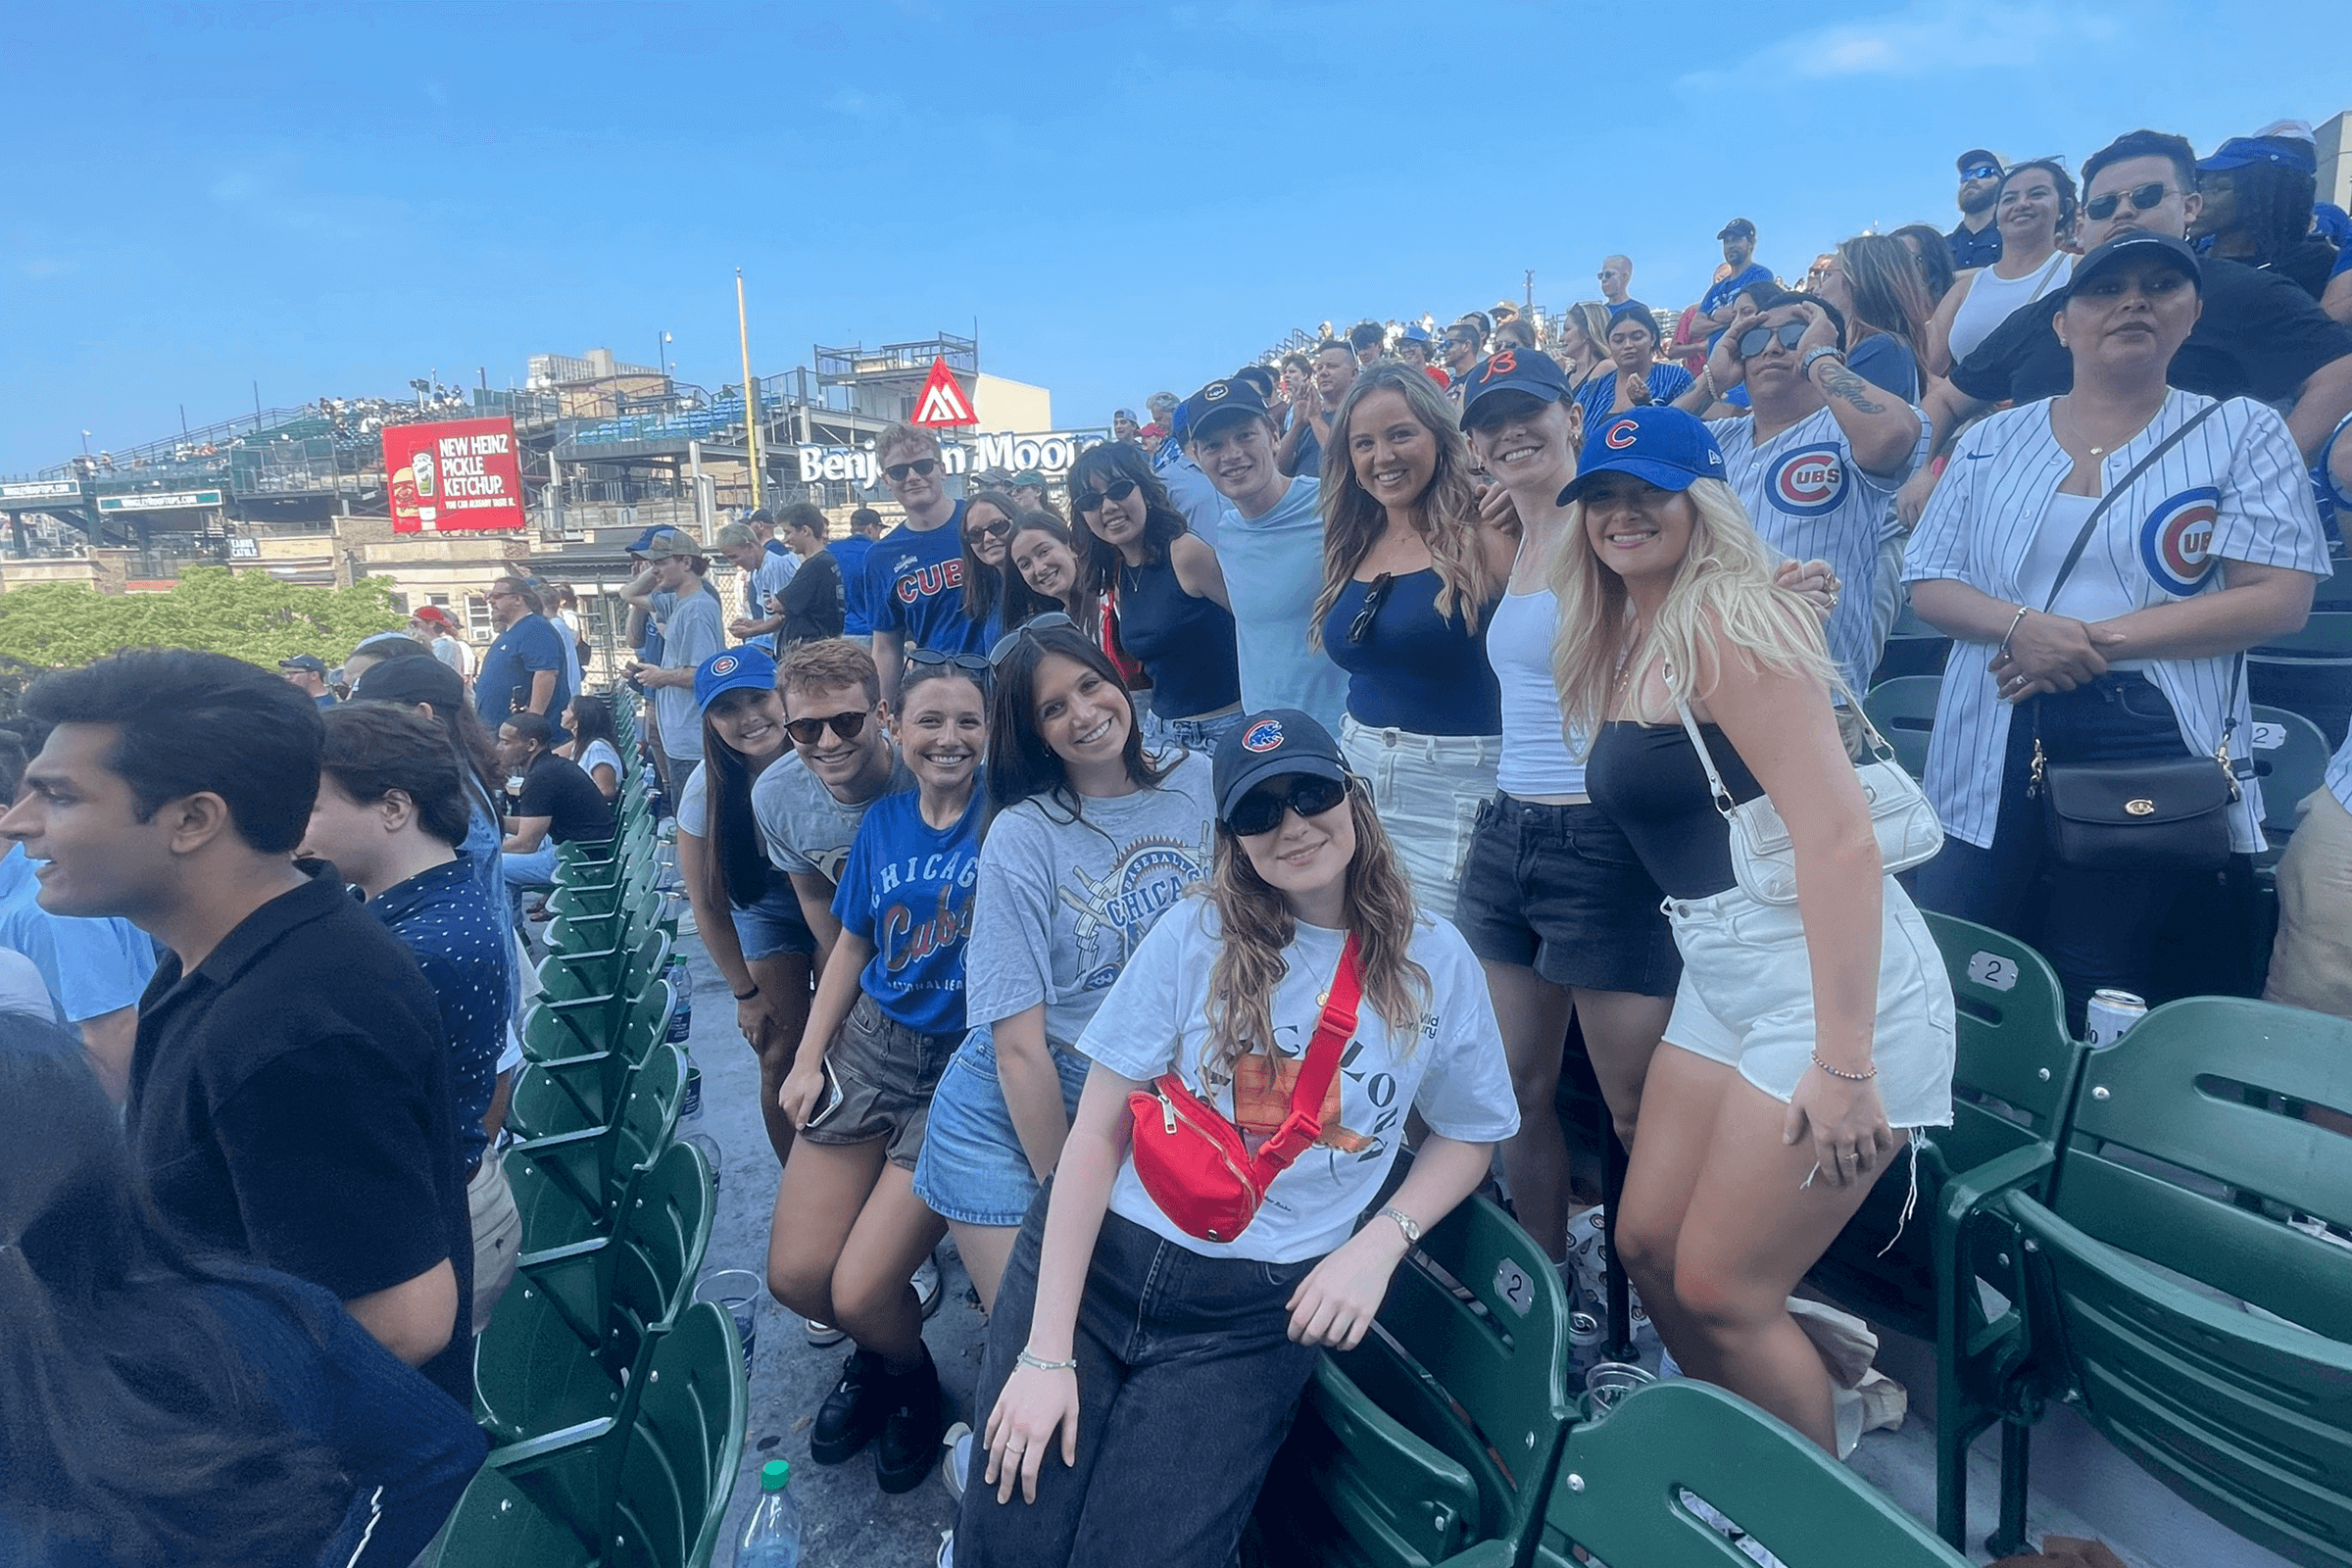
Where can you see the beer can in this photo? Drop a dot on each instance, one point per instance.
(2110, 1016)
(1584, 1342)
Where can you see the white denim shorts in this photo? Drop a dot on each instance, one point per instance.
(1427, 790)
(1746, 999)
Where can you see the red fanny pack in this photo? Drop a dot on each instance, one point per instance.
(1194, 1163)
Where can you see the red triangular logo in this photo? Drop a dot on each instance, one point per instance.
(942, 401)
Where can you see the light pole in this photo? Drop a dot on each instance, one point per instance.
(663, 346)
(86, 443)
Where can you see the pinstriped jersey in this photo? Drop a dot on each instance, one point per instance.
(2234, 489)
(2339, 774)
(1808, 498)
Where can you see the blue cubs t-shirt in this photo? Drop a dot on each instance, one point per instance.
(914, 586)
(850, 554)
(906, 888)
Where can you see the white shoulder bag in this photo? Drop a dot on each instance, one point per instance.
(1762, 860)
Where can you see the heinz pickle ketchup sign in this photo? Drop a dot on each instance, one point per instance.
(454, 476)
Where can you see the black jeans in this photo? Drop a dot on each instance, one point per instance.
(1187, 1382)
(2101, 927)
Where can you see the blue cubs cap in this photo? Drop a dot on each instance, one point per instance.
(639, 545)
(1269, 745)
(2131, 245)
(744, 668)
(1232, 395)
(1415, 333)
(1664, 446)
(2287, 152)
(1514, 369)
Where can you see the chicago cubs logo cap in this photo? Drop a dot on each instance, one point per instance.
(1271, 744)
(745, 668)
(1664, 446)
(1218, 403)
(1514, 369)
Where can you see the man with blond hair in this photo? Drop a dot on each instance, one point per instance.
(914, 574)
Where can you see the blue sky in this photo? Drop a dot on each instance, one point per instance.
(332, 199)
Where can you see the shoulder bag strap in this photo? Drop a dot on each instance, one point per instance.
(1305, 1124)
(1698, 742)
(2114, 492)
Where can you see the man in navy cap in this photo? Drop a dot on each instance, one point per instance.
(2258, 193)
(1739, 240)
(1977, 241)
(308, 672)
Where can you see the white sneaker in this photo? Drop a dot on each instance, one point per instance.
(824, 1336)
(953, 1469)
(926, 1285)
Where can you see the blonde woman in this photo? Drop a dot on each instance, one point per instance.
(1805, 1039)
(1410, 572)
(1124, 1349)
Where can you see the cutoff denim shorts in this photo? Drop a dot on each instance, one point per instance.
(1746, 999)
(973, 1169)
(887, 1072)
(774, 924)
(1426, 789)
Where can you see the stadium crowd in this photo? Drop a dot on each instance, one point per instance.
(1409, 698)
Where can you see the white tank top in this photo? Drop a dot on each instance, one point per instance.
(1992, 298)
(1536, 760)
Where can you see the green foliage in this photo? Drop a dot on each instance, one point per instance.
(247, 614)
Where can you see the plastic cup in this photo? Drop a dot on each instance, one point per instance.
(711, 1154)
(738, 1290)
(1609, 1384)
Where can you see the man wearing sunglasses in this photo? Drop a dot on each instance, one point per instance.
(914, 575)
(1977, 242)
(2258, 336)
(1817, 464)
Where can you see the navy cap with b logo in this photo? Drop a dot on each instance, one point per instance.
(1213, 403)
(1514, 369)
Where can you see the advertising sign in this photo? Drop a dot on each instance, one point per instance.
(943, 402)
(1049, 452)
(158, 501)
(41, 490)
(454, 476)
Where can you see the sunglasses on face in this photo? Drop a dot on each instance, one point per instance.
(2099, 209)
(1374, 597)
(1757, 339)
(1979, 171)
(971, 665)
(1013, 639)
(999, 530)
(811, 730)
(1092, 499)
(1260, 811)
(897, 472)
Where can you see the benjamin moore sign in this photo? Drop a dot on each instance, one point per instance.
(41, 490)
(1049, 453)
(160, 501)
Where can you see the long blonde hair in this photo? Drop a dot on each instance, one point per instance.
(1723, 599)
(1446, 514)
(1256, 925)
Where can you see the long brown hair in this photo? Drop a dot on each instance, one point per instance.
(1446, 514)
(1256, 925)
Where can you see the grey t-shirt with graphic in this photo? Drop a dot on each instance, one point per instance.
(805, 828)
(1062, 903)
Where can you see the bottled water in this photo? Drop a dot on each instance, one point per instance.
(681, 990)
(772, 1540)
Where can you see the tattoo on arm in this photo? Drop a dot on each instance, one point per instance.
(1843, 382)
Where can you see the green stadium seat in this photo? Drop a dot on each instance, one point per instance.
(2290, 759)
(576, 1278)
(568, 1185)
(594, 1078)
(1904, 710)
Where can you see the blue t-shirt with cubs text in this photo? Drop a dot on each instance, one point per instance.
(914, 586)
(906, 888)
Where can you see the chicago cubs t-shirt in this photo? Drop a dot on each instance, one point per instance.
(907, 889)
(1809, 499)
(914, 586)
(1451, 1069)
(802, 826)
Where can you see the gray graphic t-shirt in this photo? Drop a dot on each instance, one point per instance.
(805, 828)
(1062, 904)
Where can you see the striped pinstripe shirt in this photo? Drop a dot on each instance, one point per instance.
(1809, 499)
(2339, 774)
(2235, 489)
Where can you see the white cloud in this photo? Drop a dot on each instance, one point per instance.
(1932, 38)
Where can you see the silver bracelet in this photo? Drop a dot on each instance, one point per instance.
(1040, 1364)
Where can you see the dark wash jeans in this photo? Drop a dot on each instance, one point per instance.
(1187, 1382)
(2102, 927)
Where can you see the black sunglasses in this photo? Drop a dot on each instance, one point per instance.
(2099, 209)
(810, 731)
(1757, 339)
(1374, 597)
(897, 471)
(1092, 499)
(971, 665)
(1006, 643)
(1260, 811)
(999, 530)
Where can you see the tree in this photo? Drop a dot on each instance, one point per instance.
(249, 616)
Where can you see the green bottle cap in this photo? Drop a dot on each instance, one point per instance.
(774, 1475)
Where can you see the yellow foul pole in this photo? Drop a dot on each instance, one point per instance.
(751, 393)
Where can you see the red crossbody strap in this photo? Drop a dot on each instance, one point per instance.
(1305, 1124)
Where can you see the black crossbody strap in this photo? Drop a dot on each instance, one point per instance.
(2090, 523)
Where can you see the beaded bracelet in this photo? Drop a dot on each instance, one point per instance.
(1849, 1077)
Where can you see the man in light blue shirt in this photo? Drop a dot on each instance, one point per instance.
(1271, 544)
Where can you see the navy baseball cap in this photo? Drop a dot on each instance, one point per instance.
(1737, 225)
(1232, 395)
(310, 661)
(2287, 152)
(1270, 744)
(736, 669)
(1514, 369)
(1979, 155)
(1664, 446)
(639, 545)
(410, 681)
(2134, 244)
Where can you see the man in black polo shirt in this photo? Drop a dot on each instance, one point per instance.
(1977, 241)
(290, 1093)
(556, 803)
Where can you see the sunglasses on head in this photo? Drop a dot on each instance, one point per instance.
(898, 472)
(1374, 597)
(1006, 643)
(2099, 209)
(811, 730)
(1092, 499)
(1260, 811)
(971, 665)
(1979, 171)
(1757, 339)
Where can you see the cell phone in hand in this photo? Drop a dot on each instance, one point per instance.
(828, 1102)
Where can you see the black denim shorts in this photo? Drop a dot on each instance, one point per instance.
(1557, 889)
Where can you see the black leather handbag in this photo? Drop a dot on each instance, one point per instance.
(2166, 816)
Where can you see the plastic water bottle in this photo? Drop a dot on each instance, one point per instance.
(681, 992)
(772, 1540)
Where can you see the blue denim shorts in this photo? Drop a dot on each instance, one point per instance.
(774, 924)
(973, 1169)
